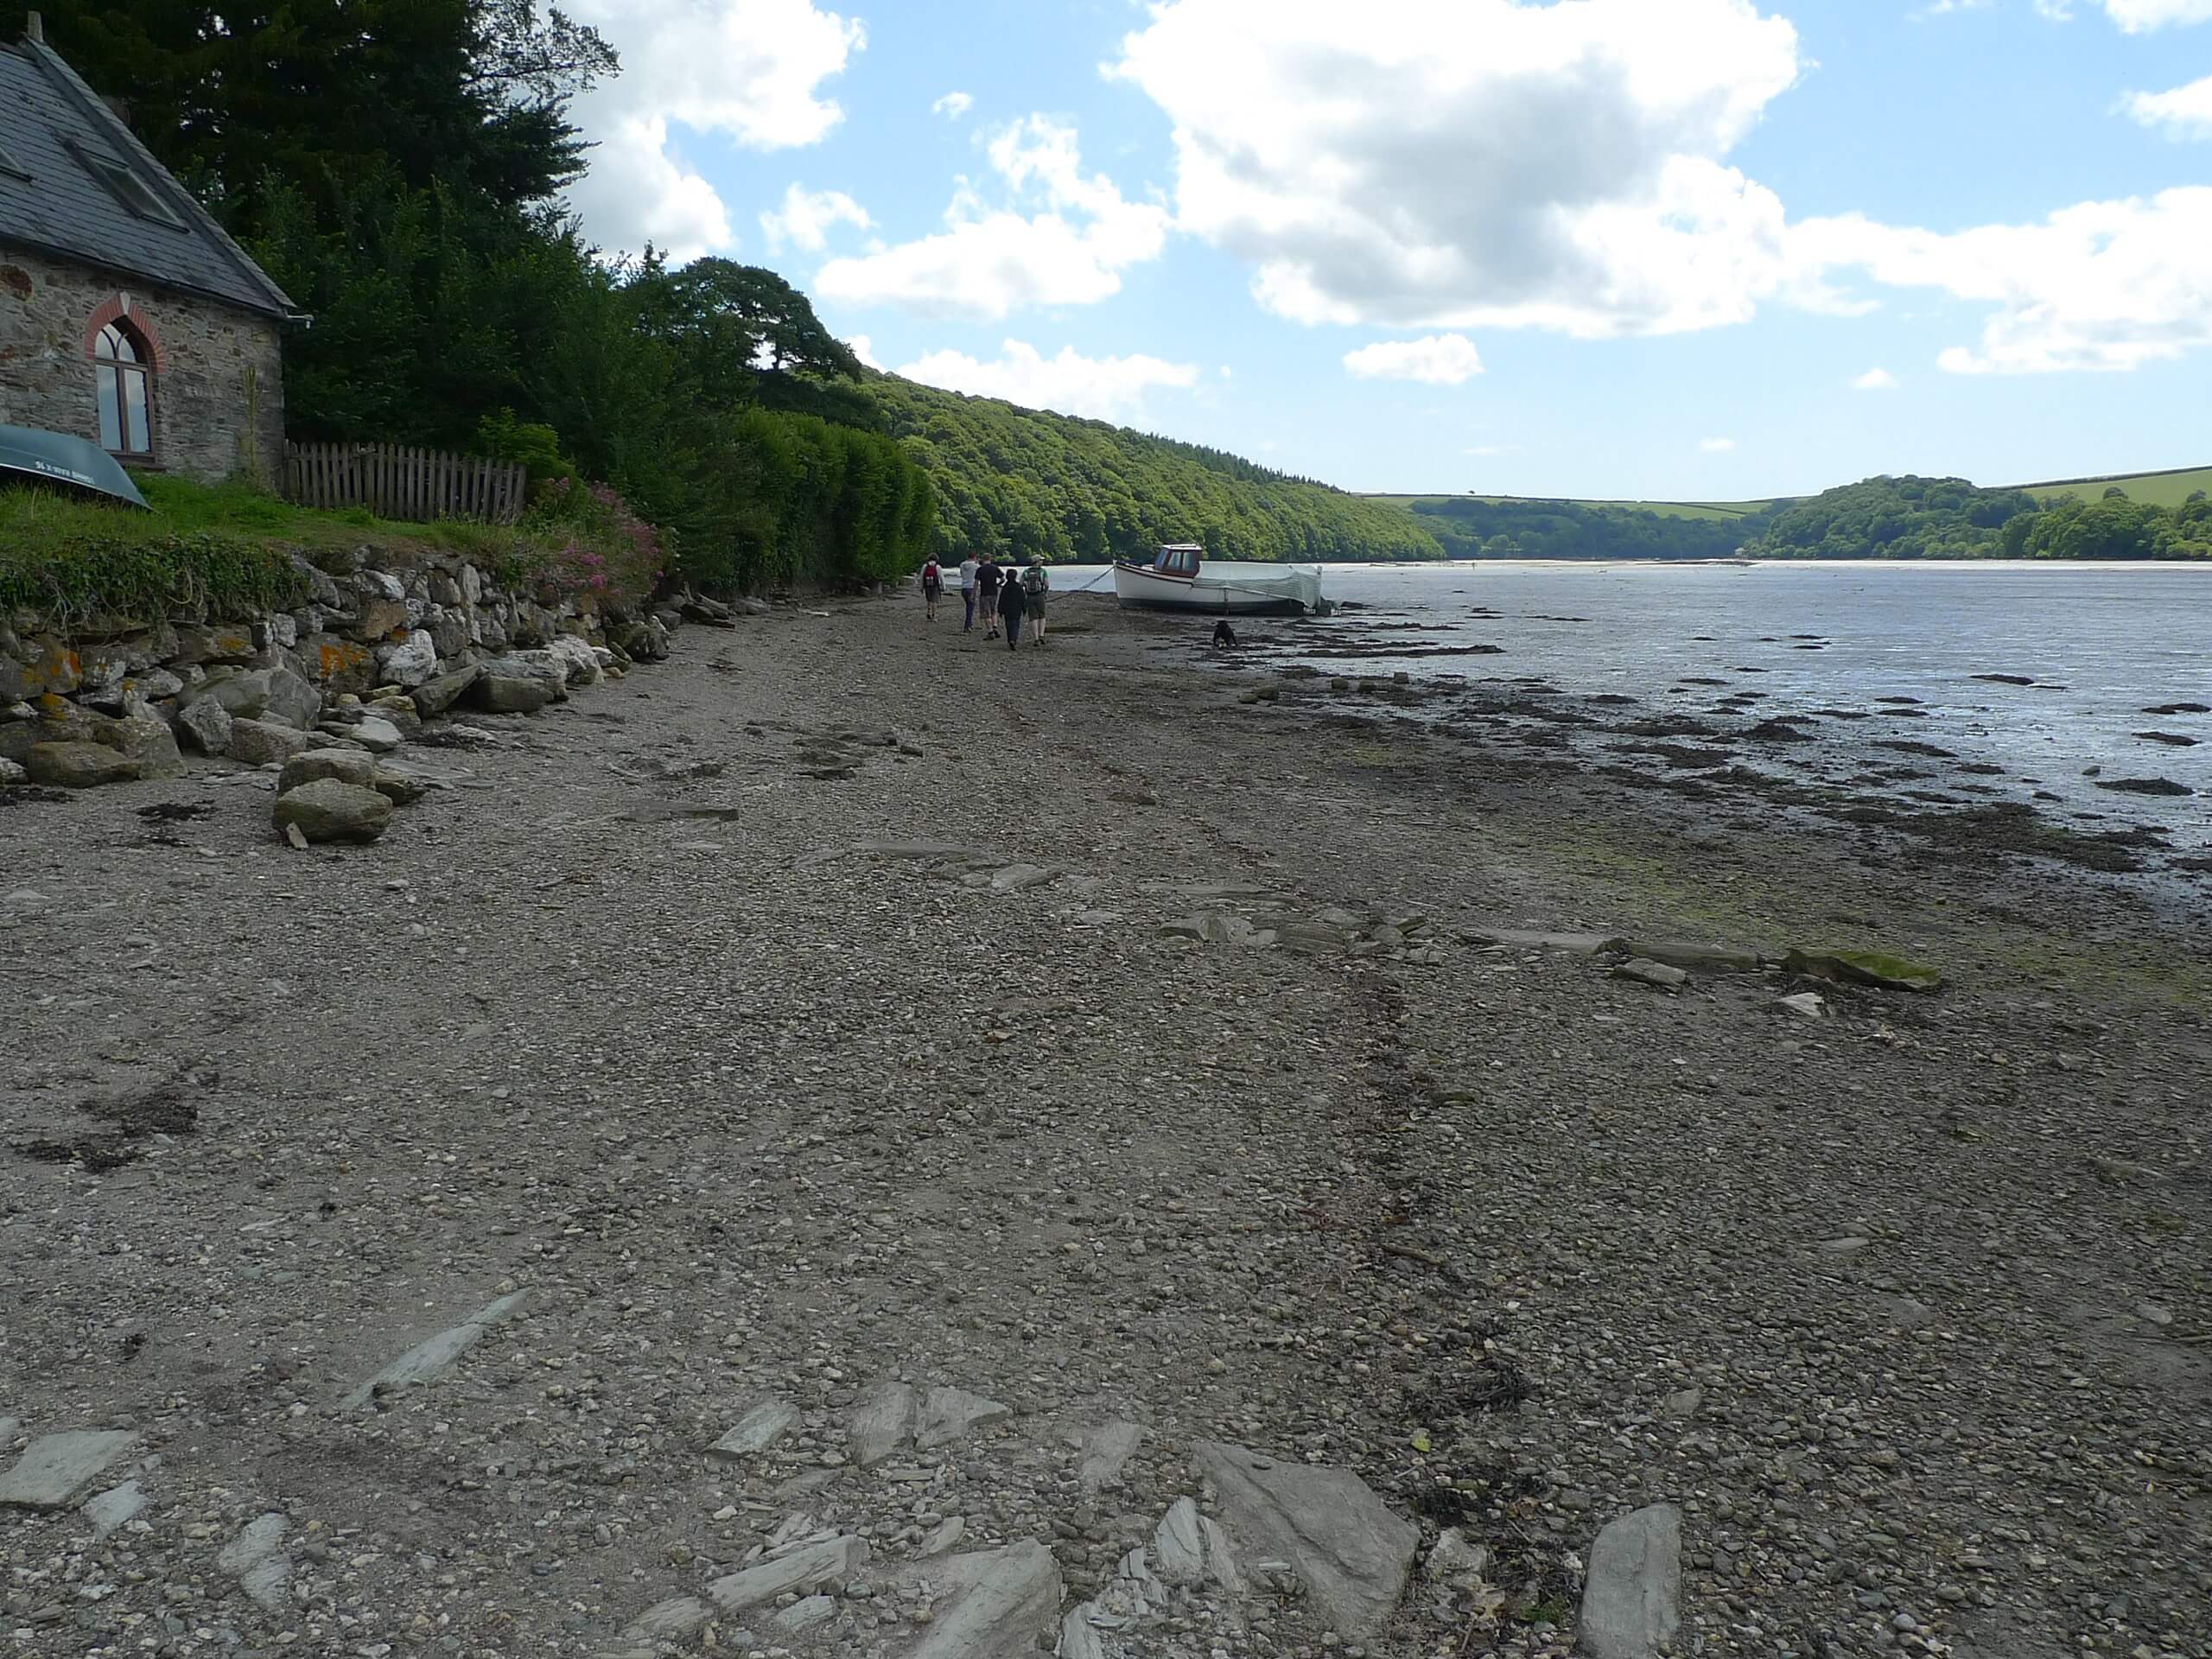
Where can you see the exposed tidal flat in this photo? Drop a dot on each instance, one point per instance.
(1122, 1036)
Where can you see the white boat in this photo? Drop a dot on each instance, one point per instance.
(1181, 580)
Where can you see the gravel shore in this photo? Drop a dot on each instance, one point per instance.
(1119, 1038)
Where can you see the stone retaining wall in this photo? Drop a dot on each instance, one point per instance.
(388, 638)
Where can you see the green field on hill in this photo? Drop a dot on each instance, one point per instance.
(2167, 489)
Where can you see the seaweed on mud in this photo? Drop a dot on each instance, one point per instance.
(2016, 828)
(1777, 731)
(176, 811)
(131, 1121)
(32, 795)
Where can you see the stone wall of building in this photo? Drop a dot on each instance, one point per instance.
(218, 383)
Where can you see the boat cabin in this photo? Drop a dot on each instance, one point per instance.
(1180, 559)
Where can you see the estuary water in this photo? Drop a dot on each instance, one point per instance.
(1863, 655)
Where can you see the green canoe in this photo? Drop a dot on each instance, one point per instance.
(57, 458)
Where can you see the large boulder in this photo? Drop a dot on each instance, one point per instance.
(576, 657)
(448, 632)
(354, 766)
(509, 685)
(146, 739)
(244, 695)
(257, 742)
(338, 665)
(380, 605)
(213, 643)
(205, 725)
(292, 699)
(49, 719)
(79, 766)
(409, 661)
(36, 666)
(327, 809)
(434, 697)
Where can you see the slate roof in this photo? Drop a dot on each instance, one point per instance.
(51, 126)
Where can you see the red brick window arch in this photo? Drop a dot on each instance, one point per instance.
(125, 357)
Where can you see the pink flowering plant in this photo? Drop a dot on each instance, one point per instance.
(594, 546)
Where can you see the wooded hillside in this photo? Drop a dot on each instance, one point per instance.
(1012, 480)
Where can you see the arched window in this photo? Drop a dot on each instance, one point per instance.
(122, 385)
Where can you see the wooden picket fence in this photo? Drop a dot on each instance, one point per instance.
(395, 481)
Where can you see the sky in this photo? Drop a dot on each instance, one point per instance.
(1662, 249)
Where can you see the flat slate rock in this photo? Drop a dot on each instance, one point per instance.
(1631, 1596)
(948, 1414)
(114, 1508)
(818, 1567)
(1350, 1551)
(55, 1468)
(1103, 1450)
(758, 1430)
(1575, 945)
(427, 1360)
(882, 1422)
(993, 1604)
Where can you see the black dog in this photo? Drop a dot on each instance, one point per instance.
(1223, 634)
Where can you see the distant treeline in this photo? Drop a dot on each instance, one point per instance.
(1021, 481)
(1468, 528)
(1949, 518)
(1880, 518)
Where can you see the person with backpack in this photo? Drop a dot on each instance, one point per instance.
(968, 566)
(1035, 584)
(1011, 606)
(932, 589)
(989, 578)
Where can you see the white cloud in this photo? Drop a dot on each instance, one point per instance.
(2135, 17)
(1436, 360)
(1876, 380)
(953, 106)
(1106, 388)
(746, 71)
(2099, 285)
(1064, 239)
(1463, 164)
(1717, 445)
(864, 349)
(805, 218)
(2184, 112)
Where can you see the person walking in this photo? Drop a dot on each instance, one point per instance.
(988, 580)
(932, 589)
(1011, 603)
(967, 568)
(1035, 584)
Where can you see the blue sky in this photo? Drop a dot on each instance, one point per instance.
(1662, 248)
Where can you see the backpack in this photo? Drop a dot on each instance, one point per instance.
(1034, 581)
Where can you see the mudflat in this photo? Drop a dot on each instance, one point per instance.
(821, 1145)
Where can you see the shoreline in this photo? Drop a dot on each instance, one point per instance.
(841, 1005)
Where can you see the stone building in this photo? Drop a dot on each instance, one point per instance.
(127, 316)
